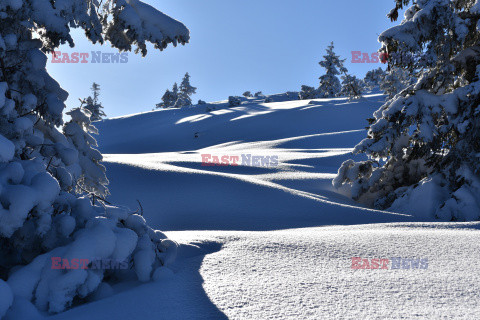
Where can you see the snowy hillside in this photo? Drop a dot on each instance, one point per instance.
(277, 241)
(158, 153)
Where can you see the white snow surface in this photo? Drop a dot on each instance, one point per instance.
(276, 242)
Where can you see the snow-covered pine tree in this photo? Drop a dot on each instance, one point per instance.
(247, 94)
(90, 177)
(168, 100)
(42, 213)
(395, 80)
(329, 82)
(373, 78)
(175, 93)
(182, 101)
(93, 104)
(307, 92)
(423, 143)
(352, 87)
(186, 91)
(258, 94)
(96, 91)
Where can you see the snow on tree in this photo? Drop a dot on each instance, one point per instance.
(182, 101)
(43, 212)
(307, 92)
(96, 91)
(394, 81)
(93, 104)
(168, 100)
(234, 101)
(329, 82)
(186, 91)
(352, 87)
(423, 143)
(373, 78)
(175, 90)
(91, 178)
(258, 94)
(185, 87)
(174, 94)
(247, 94)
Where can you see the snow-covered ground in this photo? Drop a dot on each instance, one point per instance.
(306, 274)
(273, 242)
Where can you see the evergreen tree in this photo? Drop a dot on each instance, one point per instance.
(307, 92)
(93, 104)
(168, 100)
(329, 82)
(186, 91)
(234, 101)
(373, 78)
(44, 169)
(247, 94)
(92, 178)
(394, 81)
(182, 101)
(423, 143)
(175, 93)
(96, 91)
(351, 87)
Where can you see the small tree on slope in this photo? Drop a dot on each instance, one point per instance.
(93, 104)
(175, 94)
(351, 87)
(329, 82)
(307, 92)
(43, 213)
(423, 143)
(373, 78)
(186, 91)
(168, 100)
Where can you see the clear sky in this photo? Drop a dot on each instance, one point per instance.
(258, 45)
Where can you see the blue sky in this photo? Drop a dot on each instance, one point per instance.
(235, 46)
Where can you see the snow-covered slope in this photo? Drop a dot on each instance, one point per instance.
(273, 242)
(156, 158)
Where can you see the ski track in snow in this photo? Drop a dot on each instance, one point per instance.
(274, 243)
